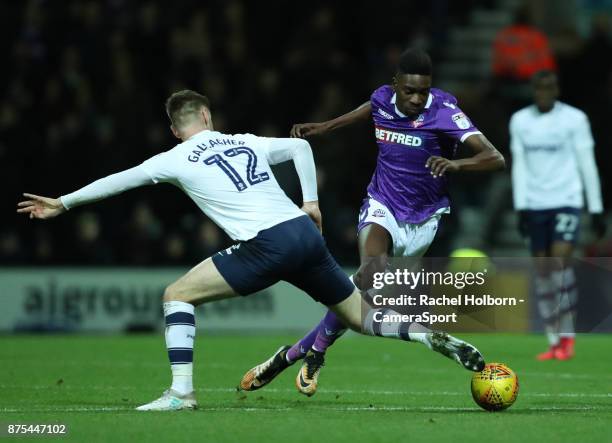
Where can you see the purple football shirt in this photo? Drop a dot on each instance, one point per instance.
(401, 181)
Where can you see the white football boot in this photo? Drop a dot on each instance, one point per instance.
(171, 401)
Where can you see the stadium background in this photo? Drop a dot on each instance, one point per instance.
(81, 96)
(83, 93)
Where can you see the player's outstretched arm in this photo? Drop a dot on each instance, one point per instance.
(486, 158)
(305, 130)
(45, 207)
(40, 207)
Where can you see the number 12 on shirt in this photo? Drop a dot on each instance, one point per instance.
(252, 177)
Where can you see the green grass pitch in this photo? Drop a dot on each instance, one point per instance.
(370, 390)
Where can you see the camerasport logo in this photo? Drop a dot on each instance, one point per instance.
(379, 213)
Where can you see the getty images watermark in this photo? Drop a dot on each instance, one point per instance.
(406, 279)
(493, 294)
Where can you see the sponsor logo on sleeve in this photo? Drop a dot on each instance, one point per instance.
(461, 120)
(385, 114)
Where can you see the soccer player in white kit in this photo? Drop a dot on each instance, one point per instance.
(553, 165)
(230, 179)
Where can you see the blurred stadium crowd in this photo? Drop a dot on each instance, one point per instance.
(84, 83)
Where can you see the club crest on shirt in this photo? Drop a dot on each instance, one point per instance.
(418, 121)
(461, 120)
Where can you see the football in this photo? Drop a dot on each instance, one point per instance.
(495, 387)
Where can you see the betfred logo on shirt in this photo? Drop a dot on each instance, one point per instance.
(385, 135)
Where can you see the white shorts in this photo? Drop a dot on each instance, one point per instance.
(409, 239)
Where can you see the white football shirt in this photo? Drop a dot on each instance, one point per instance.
(553, 161)
(227, 176)
(230, 179)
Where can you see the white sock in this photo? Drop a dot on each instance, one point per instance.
(394, 329)
(567, 295)
(548, 307)
(418, 332)
(180, 335)
(553, 338)
(182, 378)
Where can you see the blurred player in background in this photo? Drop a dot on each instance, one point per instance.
(230, 179)
(417, 129)
(553, 163)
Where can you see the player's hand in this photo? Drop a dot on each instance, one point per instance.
(440, 165)
(41, 207)
(523, 224)
(312, 209)
(304, 130)
(598, 222)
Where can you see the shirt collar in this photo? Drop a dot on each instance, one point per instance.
(555, 107)
(398, 112)
(198, 133)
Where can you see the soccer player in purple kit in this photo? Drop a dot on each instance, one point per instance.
(417, 130)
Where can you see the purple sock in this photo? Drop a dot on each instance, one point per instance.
(330, 329)
(300, 349)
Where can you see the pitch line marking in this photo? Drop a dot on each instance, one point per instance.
(330, 391)
(319, 408)
(337, 367)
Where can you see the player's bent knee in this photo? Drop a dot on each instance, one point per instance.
(364, 277)
(352, 321)
(354, 325)
(349, 311)
(169, 294)
(174, 293)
